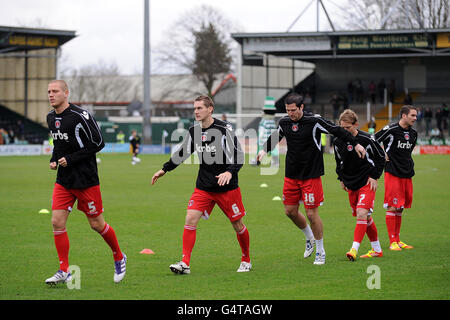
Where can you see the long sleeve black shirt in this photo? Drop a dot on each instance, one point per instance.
(304, 158)
(354, 171)
(398, 144)
(218, 151)
(77, 137)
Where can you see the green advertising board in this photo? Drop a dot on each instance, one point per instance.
(388, 41)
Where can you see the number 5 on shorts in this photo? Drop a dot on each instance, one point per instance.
(92, 208)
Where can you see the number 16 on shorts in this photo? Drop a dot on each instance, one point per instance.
(312, 200)
(309, 199)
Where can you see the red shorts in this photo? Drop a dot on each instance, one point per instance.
(230, 202)
(309, 191)
(398, 192)
(364, 198)
(89, 199)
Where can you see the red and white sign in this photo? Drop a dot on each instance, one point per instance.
(434, 149)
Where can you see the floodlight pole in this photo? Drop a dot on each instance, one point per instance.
(299, 16)
(318, 4)
(146, 107)
(328, 17)
(239, 89)
(318, 14)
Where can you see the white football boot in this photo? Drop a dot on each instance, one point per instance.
(120, 268)
(320, 258)
(180, 268)
(244, 267)
(59, 277)
(309, 248)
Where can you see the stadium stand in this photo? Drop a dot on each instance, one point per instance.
(415, 61)
(28, 61)
(20, 129)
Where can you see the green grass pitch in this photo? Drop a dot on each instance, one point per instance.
(146, 216)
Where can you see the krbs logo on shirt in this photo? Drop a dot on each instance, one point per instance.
(404, 145)
(59, 135)
(295, 127)
(206, 148)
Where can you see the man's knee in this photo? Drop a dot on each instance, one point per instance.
(59, 218)
(395, 210)
(312, 214)
(192, 217)
(362, 214)
(58, 224)
(238, 225)
(291, 211)
(97, 223)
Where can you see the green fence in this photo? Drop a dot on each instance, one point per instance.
(111, 129)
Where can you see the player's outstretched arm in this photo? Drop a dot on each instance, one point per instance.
(157, 175)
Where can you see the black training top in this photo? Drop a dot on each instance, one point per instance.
(351, 169)
(304, 159)
(398, 144)
(77, 137)
(218, 151)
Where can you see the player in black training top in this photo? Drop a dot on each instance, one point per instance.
(135, 143)
(220, 158)
(304, 167)
(76, 139)
(359, 177)
(399, 140)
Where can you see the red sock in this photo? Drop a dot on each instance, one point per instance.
(189, 236)
(390, 225)
(62, 247)
(360, 230)
(398, 224)
(109, 236)
(244, 241)
(372, 232)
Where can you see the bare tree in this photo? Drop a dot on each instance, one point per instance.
(394, 14)
(212, 56)
(426, 13)
(97, 82)
(178, 52)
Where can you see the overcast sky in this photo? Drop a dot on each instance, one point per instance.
(112, 30)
